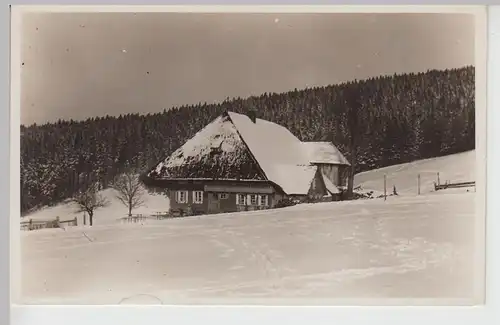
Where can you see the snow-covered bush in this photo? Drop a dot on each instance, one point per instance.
(286, 202)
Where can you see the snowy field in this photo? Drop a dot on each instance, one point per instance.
(406, 247)
(453, 168)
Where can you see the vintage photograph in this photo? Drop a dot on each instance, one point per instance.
(248, 157)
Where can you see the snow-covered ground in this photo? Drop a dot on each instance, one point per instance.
(406, 247)
(453, 168)
(111, 214)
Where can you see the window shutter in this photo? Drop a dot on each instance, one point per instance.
(198, 197)
(237, 199)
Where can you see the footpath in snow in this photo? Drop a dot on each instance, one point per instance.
(406, 247)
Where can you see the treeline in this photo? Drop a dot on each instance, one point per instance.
(400, 118)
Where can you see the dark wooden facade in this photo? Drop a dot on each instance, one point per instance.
(209, 196)
(337, 174)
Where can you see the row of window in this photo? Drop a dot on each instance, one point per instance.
(182, 197)
(251, 199)
(241, 199)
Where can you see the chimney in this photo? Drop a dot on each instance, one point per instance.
(252, 114)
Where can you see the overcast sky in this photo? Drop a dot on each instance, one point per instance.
(89, 64)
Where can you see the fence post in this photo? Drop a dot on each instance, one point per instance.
(418, 183)
(76, 222)
(385, 187)
(30, 226)
(438, 178)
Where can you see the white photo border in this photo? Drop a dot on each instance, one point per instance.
(151, 315)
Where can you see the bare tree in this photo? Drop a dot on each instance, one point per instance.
(129, 190)
(88, 200)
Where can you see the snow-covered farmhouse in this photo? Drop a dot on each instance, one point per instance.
(239, 162)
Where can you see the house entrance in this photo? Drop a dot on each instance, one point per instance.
(213, 203)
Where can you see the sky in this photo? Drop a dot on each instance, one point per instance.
(80, 65)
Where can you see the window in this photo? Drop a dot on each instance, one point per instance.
(263, 200)
(253, 199)
(241, 199)
(222, 196)
(181, 196)
(198, 197)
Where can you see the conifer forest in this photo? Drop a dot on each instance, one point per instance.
(399, 118)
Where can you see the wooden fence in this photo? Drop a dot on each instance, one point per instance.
(136, 218)
(42, 224)
(438, 187)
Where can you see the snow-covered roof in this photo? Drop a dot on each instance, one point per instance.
(249, 149)
(293, 179)
(271, 144)
(324, 153)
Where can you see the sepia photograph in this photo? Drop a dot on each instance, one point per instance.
(262, 157)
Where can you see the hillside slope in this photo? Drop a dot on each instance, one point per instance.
(452, 168)
(406, 247)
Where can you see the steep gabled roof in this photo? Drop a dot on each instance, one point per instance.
(324, 153)
(234, 146)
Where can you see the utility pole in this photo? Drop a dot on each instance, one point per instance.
(418, 183)
(385, 187)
